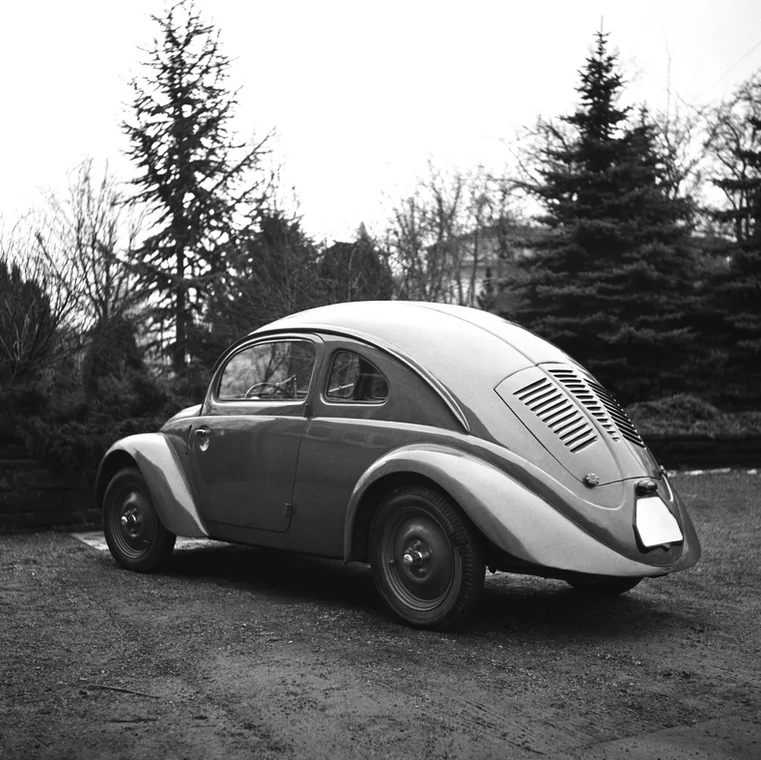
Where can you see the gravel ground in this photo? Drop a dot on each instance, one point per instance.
(237, 653)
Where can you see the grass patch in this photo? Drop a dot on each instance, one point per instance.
(725, 510)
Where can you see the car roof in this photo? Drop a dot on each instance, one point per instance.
(463, 348)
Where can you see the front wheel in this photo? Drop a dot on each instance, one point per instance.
(604, 585)
(427, 559)
(134, 533)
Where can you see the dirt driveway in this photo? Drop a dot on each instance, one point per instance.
(237, 653)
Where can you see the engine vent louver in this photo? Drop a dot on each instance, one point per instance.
(557, 411)
(600, 404)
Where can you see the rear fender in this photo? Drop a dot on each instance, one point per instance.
(164, 475)
(508, 513)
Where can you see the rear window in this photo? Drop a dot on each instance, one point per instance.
(353, 379)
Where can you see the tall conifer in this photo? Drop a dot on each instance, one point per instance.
(193, 177)
(609, 281)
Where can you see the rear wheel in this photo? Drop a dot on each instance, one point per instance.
(427, 558)
(134, 533)
(604, 585)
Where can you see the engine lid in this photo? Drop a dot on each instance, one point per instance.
(578, 422)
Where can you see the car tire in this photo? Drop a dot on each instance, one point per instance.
(134, 533)
(427, 558)
(604, 585)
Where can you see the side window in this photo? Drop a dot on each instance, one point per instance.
(280, 370)
(353, 378)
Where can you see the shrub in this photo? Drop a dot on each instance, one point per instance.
(68, 428)
(686, 414)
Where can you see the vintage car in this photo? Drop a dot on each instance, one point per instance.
(433, 441)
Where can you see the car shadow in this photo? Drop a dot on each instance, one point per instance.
(280, 577)
(534, 607)
(521, 606)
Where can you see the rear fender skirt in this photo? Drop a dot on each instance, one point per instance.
(515, 518)
(166, 480)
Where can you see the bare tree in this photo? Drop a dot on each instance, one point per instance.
(443, 237)
(733, 142)
(87, 243)
(417, 269)
(681, 139)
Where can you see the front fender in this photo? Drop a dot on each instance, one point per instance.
(165, 477)
(508, 513)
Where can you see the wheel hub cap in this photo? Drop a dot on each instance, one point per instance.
(135, 525)
(416, 554)
(131, 520)
(418, 558)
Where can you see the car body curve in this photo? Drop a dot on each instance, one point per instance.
(312, 423)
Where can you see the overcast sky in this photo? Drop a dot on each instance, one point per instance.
(360, 93)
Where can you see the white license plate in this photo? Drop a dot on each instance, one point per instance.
(655, 524)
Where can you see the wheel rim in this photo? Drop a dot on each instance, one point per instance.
(133, 523)
(417, 559)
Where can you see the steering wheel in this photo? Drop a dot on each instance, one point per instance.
(257, 388)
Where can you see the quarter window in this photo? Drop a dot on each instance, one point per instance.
(279, 370)
(353, 379)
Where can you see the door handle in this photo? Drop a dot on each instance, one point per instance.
(202, 434)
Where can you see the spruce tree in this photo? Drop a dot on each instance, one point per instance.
(193, 177)
(610, 280)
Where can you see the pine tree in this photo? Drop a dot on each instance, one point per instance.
(610, 280)
(195, 180)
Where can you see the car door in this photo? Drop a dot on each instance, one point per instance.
(364, 404)
(245, 445)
